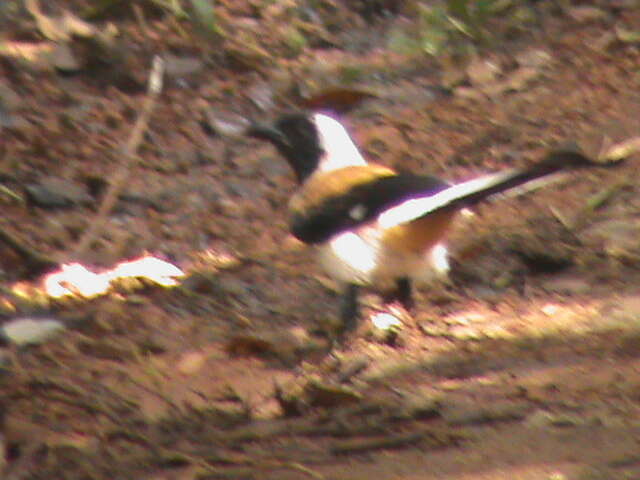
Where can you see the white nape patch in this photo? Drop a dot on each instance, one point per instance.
(349, 258)
(359, 212)
(417, 207)
(440, 259)
(340, 151)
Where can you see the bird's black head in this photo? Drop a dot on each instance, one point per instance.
(297, 138)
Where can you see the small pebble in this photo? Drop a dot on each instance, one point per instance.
(30, 331)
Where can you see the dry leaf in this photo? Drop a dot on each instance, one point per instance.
(337, 99)
(46, 56)
(621, 150)
(65, 26)
(627, 36)
(482, 71)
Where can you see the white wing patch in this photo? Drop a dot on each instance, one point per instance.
(417, 207)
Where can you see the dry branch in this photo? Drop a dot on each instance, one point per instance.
(129, 150)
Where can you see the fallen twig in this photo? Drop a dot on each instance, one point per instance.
(38, 262)
(11, 194)
(434, 438)
(603, 196)
(119, 177)
(256, 468)
(239, 465)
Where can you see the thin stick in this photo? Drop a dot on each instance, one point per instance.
(120, 176)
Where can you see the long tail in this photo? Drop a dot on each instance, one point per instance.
(469, 193)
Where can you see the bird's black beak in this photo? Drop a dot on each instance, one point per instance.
(269, 133)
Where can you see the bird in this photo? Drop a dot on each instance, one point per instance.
(373, 226)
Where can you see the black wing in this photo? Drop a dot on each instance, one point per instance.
(366, 201)
(360, 204)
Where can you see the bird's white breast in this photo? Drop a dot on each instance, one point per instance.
(359, 258)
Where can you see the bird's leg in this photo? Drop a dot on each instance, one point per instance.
(404, 293)
(349, 309)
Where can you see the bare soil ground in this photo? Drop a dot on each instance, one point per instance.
(525, 366)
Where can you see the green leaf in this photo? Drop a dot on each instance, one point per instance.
(204, 14)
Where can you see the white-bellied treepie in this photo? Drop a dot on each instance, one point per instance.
(374, 226)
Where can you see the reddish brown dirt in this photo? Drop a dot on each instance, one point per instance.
(527, 365)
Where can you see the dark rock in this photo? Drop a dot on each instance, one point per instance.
(57, 193)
